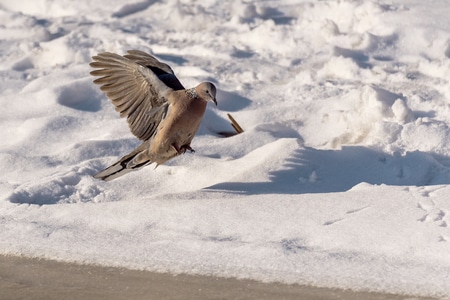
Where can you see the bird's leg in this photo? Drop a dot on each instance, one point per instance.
(180, 150)
(187, 147)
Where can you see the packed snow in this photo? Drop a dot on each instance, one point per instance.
(341, 178)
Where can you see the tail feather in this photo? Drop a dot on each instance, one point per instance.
(112, 172)
(122, 167)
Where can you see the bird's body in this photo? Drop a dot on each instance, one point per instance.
(160, 112)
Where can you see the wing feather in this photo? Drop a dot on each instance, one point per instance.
(162, 70)
(134, 88)
(147, 60)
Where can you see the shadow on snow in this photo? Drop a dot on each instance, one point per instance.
(325, 171)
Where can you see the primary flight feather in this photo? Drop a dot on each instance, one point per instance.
(159, 110)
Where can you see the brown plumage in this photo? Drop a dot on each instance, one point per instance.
(159, 111)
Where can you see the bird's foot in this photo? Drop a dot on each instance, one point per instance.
(182, 149)
(187, 147)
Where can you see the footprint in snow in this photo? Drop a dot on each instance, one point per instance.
(432, 213)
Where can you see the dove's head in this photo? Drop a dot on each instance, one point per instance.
(207, 91)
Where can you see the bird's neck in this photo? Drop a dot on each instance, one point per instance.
(192, 93)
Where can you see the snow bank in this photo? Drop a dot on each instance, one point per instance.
(340, 178)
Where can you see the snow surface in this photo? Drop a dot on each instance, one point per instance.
(341, 178)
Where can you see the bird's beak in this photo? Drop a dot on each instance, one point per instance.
(214, 100)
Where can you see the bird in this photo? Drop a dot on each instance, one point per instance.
(159, 110)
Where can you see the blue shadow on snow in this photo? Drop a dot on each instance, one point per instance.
(311, 170)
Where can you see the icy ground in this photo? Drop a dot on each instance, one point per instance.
(341, 178)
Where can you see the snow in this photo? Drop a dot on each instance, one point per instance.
(341, 178)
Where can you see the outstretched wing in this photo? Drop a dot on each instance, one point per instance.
(136, 91)
(162, 70)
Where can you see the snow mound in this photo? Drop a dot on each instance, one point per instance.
(340, 178)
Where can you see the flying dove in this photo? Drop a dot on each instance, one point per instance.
(160, 111)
